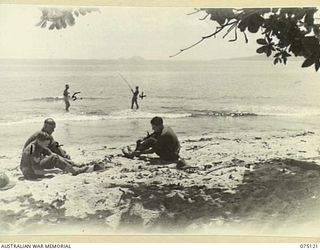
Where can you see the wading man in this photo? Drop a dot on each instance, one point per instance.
(66, 97)
(135, 97)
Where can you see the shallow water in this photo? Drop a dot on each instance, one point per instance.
(194, 98)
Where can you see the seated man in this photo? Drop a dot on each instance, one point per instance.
(163, 142)
(38, 160)
(49, 127)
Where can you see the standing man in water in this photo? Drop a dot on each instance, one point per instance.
(135, 97)
(66, 97)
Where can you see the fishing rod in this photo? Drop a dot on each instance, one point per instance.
(125, 81)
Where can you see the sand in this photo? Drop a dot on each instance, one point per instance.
(241, 184)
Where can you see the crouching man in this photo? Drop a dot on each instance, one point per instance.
(163, 142)
(37, 159)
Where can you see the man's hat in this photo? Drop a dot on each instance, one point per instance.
(5, 182)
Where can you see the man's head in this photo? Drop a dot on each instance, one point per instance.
(49, 126)
(43, 139)
(157, 124)
(137, 87)
(67, 86)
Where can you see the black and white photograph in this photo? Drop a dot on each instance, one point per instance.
(126, 120)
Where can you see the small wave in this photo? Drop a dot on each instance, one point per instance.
(44, 99)
(97, 116)
(203, 113)
(289, 114)
(133, 114)
(57, 118)
(222, 114)
(94, 98)
(54, 99)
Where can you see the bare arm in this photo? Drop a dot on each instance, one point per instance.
(147, 151)
(31, 139)
(57, 149)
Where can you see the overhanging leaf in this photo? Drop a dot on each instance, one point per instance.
(308, 62)
(261, 49)
(262, 41)
(52, 26)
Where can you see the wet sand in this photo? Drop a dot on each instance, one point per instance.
(241, 184)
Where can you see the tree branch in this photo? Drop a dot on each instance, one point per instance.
(197, 10)
(205, 17)
(191, 46)
(245, 36)
(204, 38)
(229, 30)
(235, 36)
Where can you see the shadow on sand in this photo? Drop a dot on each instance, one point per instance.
(273, 193)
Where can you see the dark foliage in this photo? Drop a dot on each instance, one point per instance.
(55, 18)
(284, 32)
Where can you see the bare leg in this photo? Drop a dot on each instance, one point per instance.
(55, 161)
(67, 105)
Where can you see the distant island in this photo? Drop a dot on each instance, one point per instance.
(129, 60)
(259, 57)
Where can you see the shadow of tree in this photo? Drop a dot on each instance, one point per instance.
(44, 213)
(272, 193)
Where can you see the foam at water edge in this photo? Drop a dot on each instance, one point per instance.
(127, 114)
(84, 117)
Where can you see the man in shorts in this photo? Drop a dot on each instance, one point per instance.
(49, 126)
(38, 160)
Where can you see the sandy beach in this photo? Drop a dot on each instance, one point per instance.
(242, 184)
(239, 88)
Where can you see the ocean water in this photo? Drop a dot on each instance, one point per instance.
(195, 98)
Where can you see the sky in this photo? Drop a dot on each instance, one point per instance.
(153, 33)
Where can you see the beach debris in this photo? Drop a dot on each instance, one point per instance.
(124, 170)
(100, 201)
(199, 140)
(59, 201)
(305, 133)
(103, 148)
(202, 168)
(216, 162)
(108, 158)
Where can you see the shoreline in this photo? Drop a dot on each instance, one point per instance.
(232, 184)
